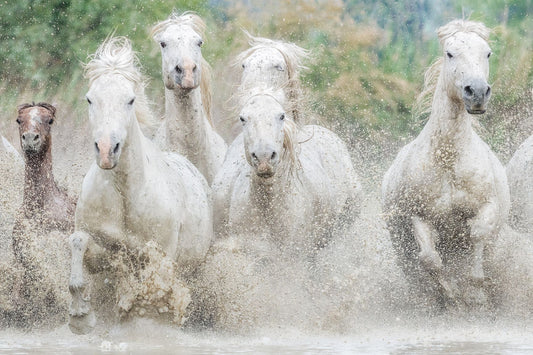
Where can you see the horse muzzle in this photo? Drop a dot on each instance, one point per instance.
(265, 170)
(476, 97)
(107, 153)
(31, 142)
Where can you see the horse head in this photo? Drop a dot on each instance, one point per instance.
(466, 63)
(266, 65)
(267, 132)
(35, 122)
(180, 40)
(115, 97)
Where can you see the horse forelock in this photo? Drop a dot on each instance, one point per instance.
(116, 56)
(292, 54)
(51, 108)
(453, 27)
(188, 18)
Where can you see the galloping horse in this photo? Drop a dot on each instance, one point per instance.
(294, 184)
(187, 128)
(133, 193)
(43, 199)
(446, 193)
(39, 251)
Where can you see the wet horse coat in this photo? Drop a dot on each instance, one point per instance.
(133, 194)
(446, 192)
(187, 128)
(293, 184)
(43, 199)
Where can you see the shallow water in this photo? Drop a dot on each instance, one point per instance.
(471, 339)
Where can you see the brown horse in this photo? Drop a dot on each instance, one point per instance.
(46, 218)
(43, 201)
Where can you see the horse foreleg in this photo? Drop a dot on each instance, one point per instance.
(482, 228)
(81, 316)
(426, 238)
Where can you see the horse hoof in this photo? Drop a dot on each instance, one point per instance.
(82, 324)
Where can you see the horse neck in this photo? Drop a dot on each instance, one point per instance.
(187, 124)
(448, 122)
(131, 169)
(38, 179)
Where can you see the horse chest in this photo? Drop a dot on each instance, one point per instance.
(274, 212)
(115, 220)
(454, 192)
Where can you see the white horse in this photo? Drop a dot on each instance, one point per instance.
(520, 175)
(446, 192)
(133, 193)
(292, 184)
(276, 64)
(187, 127)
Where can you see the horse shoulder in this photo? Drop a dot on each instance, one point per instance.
(192, 196)
(327, 168)
(231, 185)
(97, 202)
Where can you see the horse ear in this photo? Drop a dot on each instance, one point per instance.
(22, 107)
(49, 107)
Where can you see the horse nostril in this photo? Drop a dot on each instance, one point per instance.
(194, 68)
(96, 147)
(178, 69)
(254, 156)
(488, 91)
(115, 150)
(273, 156)
(469, 91)
(36, 137)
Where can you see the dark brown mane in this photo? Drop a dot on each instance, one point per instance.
(45, 105)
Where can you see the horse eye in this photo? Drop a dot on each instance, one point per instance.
(18, 120)
(449, 55)
(162, 44)
(242, 119)
(282, 117)
(131, 101)
(243, 66)
(488, 55)
(51, 121)
(200, 43)
(89, 101)
(279, 67)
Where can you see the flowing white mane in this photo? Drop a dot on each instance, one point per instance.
(293, 56)
(116, 56)
(198, 25)
(424, 99)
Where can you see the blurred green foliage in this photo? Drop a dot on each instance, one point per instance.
(368, 56)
